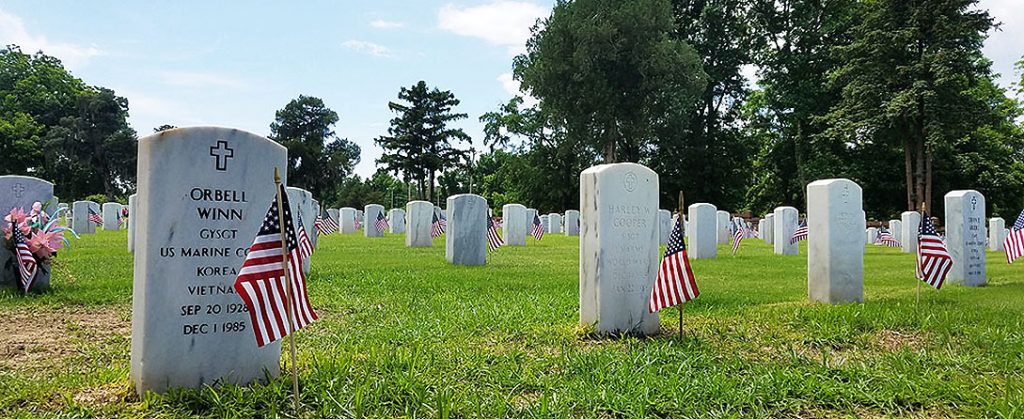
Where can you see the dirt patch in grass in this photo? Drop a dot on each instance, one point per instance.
(34, 339)
(104, 395)
(895, 340)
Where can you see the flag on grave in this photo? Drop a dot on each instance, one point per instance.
(800, 234)
(305, 246)
(933, 261)
(675, 283)
(1013, 245)
(261, 281)
(737, 238)
(325, 224)
(27, 265)
(435, 227)
(885, 238)
(538, 228)
(494, 240)
(95, 218)
(382, 222)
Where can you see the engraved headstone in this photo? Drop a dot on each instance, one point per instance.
(81, 222)
(301, 202)
(702, 231)
(910, 225)
(722, 227)
(618, 248)
(835, 253)
(347, 223)
(785, 223)
(996, 226)
(420, 215)
(513, 224)
(896, 229)
(572, 223)
(544, 223)
(966, 237)
(555, 223)
(664, 225)
(131, 221)
(396, 219)
(767, 229)
(24, 191)
(202, 196)
(370, 220)
(111, 213)
(466, 234)
(871, 235)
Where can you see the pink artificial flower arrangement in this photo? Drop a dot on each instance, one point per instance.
(43, 234)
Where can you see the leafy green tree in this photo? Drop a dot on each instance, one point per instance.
(93, 145)
(317, 159)
(420, 140)
(612, 72)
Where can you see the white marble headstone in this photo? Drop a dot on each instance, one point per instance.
(702, 231)
(396, 218)
(335, 215)
(664, 225)
(301, 202)
(530, 215)
(111, 213)
(202, 197)
(896, 229)
(131, 222)
(554, 223)
(80, 221)
(466, 234)
(618, 248)
(835, 253)
(572, 223)
(420, 215)
(767, 229)
(348, 220)
(370, 220)
(966, 237)
(24, 191)
(911, 225)
(513, 224)
(871, 234)
(996, 225)
(785, 223)
(722, 227)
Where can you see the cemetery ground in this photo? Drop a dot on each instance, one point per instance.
(403, 333)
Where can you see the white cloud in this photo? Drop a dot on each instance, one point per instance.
(190, 79)
(367, 47)
(1003, 46)
(513, 88)
(12, 31)
(504, 23)
(386, 24)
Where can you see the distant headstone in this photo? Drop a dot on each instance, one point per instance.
(530, 215)
(767, 229)
(618, 248)
(896, 229)
(835, 253)
(544, 223)
(911, 224)
(785, 223)
(871, 235)
(335, 214)
(664, 225)
(348, 220)
(996, 226)
(572, 223)
(396, 219)
(81, 222)
(370, 220)
(301, 202)
(420, 215)
(966, 237)
(722, 221)
(314, 234)
(131, 221)
(24, 191)
(202, 196)
(555, 223)
(513, 224)
(466, 234)
(111, 213)
(702, 232)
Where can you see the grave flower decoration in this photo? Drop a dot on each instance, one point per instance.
(43, 233)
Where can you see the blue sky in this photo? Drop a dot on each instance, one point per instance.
(233, 63)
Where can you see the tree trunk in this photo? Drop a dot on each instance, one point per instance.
(928, 177)
(798, 152)
(430, 187)
(908, 167)
(919, 170)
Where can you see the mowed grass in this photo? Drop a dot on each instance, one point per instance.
(402, 333)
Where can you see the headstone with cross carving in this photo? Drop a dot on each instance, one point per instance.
(965, 236)
(618, 248)
(23, 191)
(202, 196)
(835, 252)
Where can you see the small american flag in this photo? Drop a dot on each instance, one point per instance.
(356, 223)
(95, 218)
(436, 230)
(305, 246)
(443, 222)
(261, 281)
(737, 238)
(800, 234)
(325, 224)
(675, 283)
(1014, 242)
(885, 238)
(382, 222)
(494, 240)
(27, 265)
(933, 261)
(538, 228)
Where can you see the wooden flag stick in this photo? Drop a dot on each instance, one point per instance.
(288, 287)
(682, 203)
(917, 303)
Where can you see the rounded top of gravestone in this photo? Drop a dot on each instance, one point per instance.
(785, 208)
(633, 174)
(11, 178)
(997, 218)
(825, 182)
(962, 193)
(514, 206)
(722, 212)
(464, 196)
(702, 206)
(419, 203)
(297, 189)
(348, 208)
(373, 206)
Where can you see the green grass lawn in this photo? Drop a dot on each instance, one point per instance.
(402, 333)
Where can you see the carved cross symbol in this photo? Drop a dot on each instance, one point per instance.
(974, 203)
(222, 152)
(846, 194)
(18, 189)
